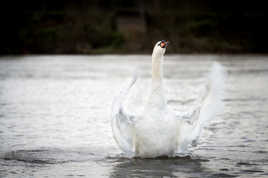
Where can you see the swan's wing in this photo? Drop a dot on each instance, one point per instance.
(209, 105)
(123, 123)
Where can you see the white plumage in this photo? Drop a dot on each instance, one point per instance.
(157, 131)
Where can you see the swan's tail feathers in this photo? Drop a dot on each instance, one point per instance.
(209, 106)
(122, 123)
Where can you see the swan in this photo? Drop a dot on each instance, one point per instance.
(158, 131)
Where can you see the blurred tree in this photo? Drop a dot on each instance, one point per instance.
(119, 26)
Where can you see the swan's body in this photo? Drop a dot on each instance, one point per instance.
(157, 131)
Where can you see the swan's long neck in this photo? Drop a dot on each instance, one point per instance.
(157, 69)
(157, 98)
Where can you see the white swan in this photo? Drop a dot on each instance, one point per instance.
(157, 131)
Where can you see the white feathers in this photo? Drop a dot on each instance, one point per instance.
(213, 101)
(209, 106)
(122, 124)
(157, 131)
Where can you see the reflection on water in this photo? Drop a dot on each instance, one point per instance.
(55, 117)
(166, 167)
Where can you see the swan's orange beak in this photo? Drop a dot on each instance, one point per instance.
(163, 44)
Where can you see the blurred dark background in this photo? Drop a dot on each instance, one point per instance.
(132, 26)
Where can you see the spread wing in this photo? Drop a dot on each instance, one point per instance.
(206, 109)
(123, 123)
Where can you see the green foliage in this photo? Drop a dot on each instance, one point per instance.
(95, 27)
(101, 37)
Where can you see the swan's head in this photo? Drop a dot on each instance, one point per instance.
(160, 48)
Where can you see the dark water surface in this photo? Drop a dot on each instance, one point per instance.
(55, 117)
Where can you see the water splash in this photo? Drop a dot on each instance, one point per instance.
(207, 106)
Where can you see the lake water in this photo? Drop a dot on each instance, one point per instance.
(55, 117)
